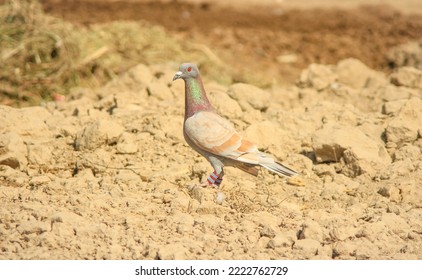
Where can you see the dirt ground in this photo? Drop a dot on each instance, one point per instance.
(275, 43)
(106, 174)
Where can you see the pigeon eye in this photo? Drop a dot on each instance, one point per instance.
(189, 69)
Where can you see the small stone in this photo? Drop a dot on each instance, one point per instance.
(360, 153)
(102, 132)
(40, 153)
(317, 76)
(408, 54)
(392, 107)
(225, 105)
(256, 97)
(311, 230)
(266, 133)
(220, 197)
(159, 90)
(284, 240)
(396, 224)
(354, 73)
(173, 251)
(126, 144)
(39, 180)
(406, 126)
(29, 227)
(267, 231)
(307, 247)
(392, 208)
(390, 192)
(13, 151)
(408, 77)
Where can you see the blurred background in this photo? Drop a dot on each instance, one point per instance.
(48, 47)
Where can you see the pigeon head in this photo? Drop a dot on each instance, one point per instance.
(186, 70)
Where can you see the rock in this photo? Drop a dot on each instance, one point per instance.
(172, 128)
(408, 151)
(102, 132)
(411, 192)
(390, 192)
(406, 126)
(13, 151)
(66, 223)
(256, 97)
(311, 230)
(392, 93)
(408, 77)
(365, 250)
(308, 247)
(29, 227)
(14, 177)
(184, 222)
(409, 54)
(140, 74)
(220, 198)
(284, 240)
(343, 250)
(393, 208)
(226, 106)
(322, 170)
(360, 153)
(398, 168)
(264, 219)
(267, 231)
(393, 107)
(173, 251)
(354, 73)
(265, 133)
(396, 224)
(126, 144)
(342, 233)
(159, 90)
(317, 76)
(40, 153)
(29, 121)
(126, 176)
(39, 180)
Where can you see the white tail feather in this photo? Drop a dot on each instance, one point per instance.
(279, 169)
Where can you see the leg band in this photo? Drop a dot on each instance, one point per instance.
(214, 179)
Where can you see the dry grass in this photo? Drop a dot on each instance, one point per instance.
(42, 55)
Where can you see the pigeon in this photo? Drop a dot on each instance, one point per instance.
(215, 138)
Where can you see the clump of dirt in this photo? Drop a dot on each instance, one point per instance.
(409, 54)
(106, 174)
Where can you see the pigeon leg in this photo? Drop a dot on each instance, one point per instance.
(215, 178)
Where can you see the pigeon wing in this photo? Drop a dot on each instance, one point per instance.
(214, 134)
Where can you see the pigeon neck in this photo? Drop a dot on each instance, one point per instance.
(195, 98)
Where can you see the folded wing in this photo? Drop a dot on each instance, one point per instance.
(214, 134)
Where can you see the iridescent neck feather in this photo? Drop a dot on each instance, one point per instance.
(195, 97)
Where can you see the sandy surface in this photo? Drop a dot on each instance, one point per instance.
(106, 173)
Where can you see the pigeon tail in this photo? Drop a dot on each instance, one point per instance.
(279, 169)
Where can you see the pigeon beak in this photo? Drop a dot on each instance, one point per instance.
(178, 75)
